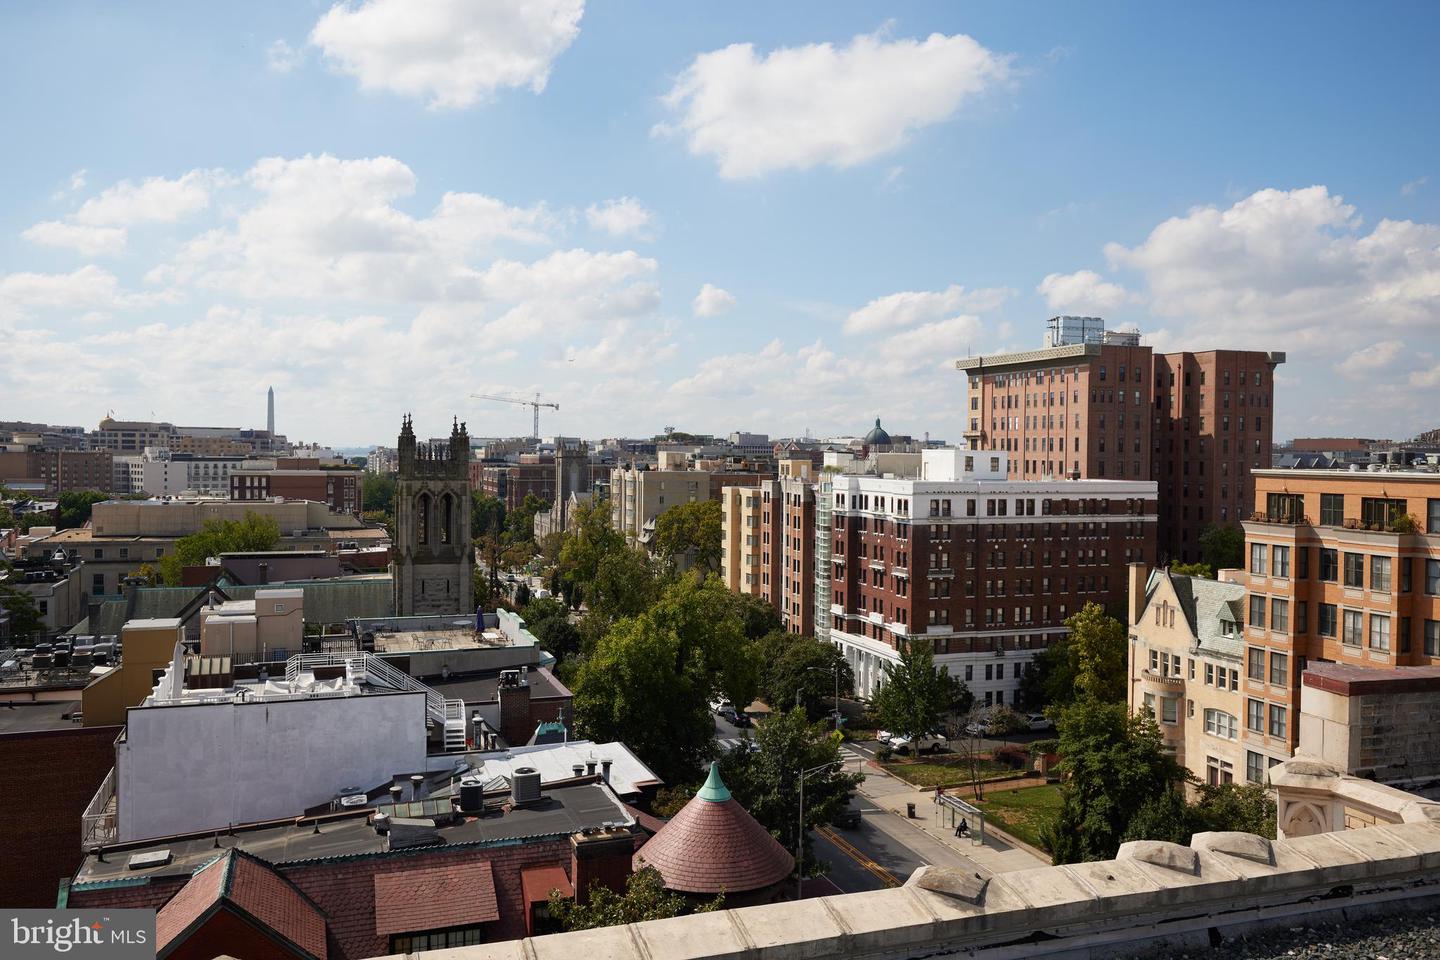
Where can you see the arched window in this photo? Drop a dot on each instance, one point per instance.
(447, 511)
(422, 518)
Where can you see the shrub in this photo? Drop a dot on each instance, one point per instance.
(884, 753)
(1042, 747)
(1013, 755)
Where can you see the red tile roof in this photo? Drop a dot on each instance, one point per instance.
(428, 898)
(245, 884)
(713, 845)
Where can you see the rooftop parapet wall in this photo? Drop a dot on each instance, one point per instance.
(1153, 894)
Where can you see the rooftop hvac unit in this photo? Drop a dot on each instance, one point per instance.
(525, 786)
(472, 794)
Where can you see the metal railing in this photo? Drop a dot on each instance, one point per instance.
(97, 823)
(376, 670)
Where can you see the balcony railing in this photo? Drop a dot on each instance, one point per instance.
(1289, 520)
(1164, 679)
(97, 823)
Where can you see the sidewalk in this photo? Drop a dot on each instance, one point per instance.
(994, 855)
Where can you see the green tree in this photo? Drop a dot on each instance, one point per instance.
(1202, 570)
(73, 507)
(794, 662)
(252, 532)
(758, 617)
(1115, 765)
(26, 623)
(1223, 546)
(1234, 806)
(765, 779)
(520, 522)
(625, 584)
(914, 696)
(377, 492)
(549, 620)
(700, 611)
(1087, 661)
(645, 898)
(691, 531)
(636, 687)
(487, 514)
(589, 540)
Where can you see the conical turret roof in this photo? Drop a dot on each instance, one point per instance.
(713, 845)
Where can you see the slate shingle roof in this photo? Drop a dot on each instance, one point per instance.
(238, 881)
(714, 846)
(447, 895)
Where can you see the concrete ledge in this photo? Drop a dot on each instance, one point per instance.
(1154, 892)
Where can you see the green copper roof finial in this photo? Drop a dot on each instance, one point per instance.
(714, 790)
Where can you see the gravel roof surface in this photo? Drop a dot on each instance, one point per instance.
(1408, 936)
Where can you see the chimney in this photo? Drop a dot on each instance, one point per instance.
(1138, 574)
(605, 769)
(516, 724)
(590, 767)
(396, 792)
(578, 769)
(600, 858)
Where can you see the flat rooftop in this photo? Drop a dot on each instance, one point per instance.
(32, 716)
(561, 812)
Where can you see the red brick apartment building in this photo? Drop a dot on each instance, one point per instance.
(981, 565)
(61, 471)
(1100, 405)
(787, 544)
(340, 489)
(1341, 567)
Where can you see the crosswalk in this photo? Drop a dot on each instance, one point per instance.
(732, 744)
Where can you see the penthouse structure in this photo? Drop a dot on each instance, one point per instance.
(1341, 567)
(984, 567)
(1098, 404)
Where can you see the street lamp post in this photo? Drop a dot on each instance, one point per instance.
(837, 692)
(800, 836)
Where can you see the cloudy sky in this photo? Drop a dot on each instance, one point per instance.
(737, 216)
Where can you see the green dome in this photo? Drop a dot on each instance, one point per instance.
(878, 436)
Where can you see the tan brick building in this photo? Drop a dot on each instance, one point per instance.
(740, 539)
(1335, 573)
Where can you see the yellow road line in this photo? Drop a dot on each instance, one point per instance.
(851, 851)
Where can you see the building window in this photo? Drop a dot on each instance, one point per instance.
(1380, 512)
(1254, 767)
(1302, 563)
(1279, 669)
(1332, 509)
(1277, 721)
(1280, 615)
(1280, 561)
(1170, 710)
(1353, 628)
(1432, 577)
(1432, 516)
(1329, 565)
(1379, 632)
(1354, 570)
(1255, 664)
(1218, 723)
(1380, 574)
(1432, 638)
(1257, 610)
(1257, 559)
(1327, 623)
(437, 939)
(1255, 715)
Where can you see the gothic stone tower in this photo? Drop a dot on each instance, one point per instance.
(433, 560)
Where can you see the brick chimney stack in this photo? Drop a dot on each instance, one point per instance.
(602, 857)
(516, 724)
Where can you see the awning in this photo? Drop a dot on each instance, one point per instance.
(429, 898)
(537, 882)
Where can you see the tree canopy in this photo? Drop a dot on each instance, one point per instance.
(645, 898)
(765, 780)
(377, 492)
(1090, 660)
(1116, 768)
(794, 662)
(1223, 546)
(693, 531)
(26, 623)
(1202, 570)
(73, 507)
(549, 620)
(487, 514)
(252, 532)
(914, 696)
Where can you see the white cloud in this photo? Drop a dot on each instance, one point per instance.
(1367, 361)
(620, 217)
(85, 240)
(88, 287)
(799, 107)
(909, 308)
(1083, 290)
(154, 200)
(1289, 267)
(280, 57)
(1413, 187)
(321, 227)
(711, 301)
(454, 53)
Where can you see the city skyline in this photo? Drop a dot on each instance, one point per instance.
(629, 217)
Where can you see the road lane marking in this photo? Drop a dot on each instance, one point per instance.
(851, 851)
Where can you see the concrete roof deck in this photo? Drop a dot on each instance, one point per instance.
(31, 716)
(457, 638)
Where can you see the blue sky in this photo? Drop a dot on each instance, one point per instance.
(384, 206)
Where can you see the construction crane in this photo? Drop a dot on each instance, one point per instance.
(534, 405)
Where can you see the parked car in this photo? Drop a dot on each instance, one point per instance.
(848, 819)
(978, 728)
(929, 743)
(884, 736)
(720, 705)
(1038, 721)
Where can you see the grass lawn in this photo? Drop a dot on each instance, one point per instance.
(1023, 812)
(945, 771)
